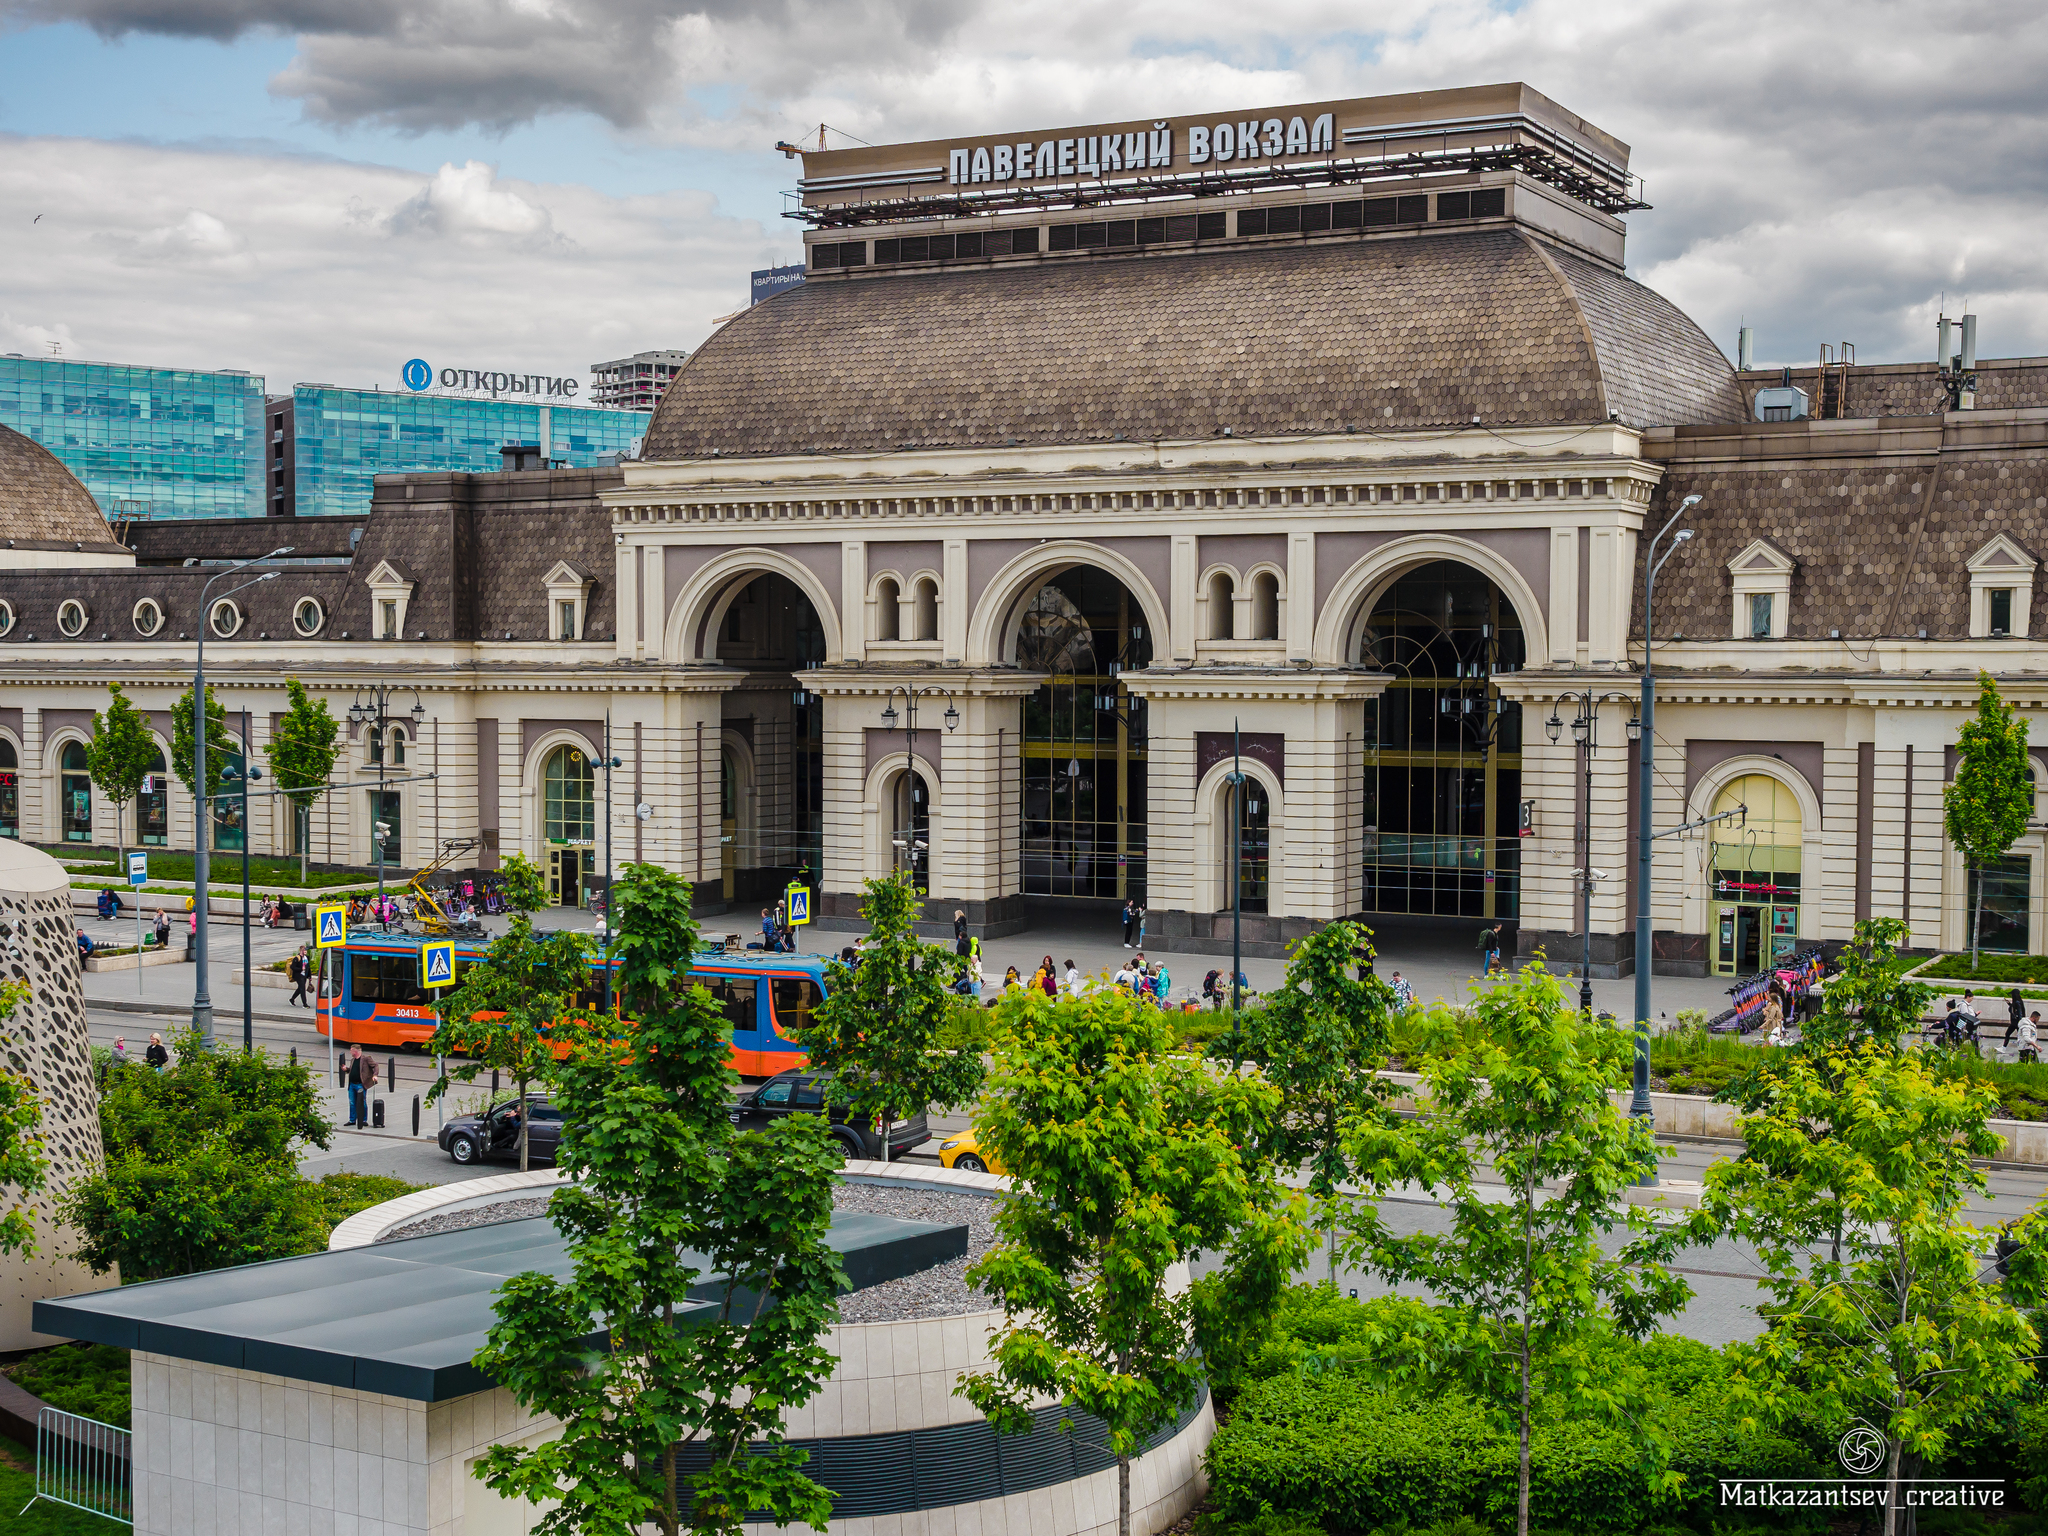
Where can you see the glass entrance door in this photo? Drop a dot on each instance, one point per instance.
(567, 868)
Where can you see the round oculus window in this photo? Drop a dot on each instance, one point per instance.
(226, 617)
(149, 618)
(6, 618)
(308, 616)
(71, 616)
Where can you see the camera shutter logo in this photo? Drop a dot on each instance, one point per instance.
(1862, 1450)
(417, 375)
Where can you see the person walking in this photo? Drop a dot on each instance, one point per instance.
(767, 929)
(1404, 994)
(158, 1058)
(1212, 989)
(120, 1056)
(362, 1077)
(297, 969)
(1489, 949)
(960, 940)
(2016, 1009)
(163, 927)
(2030, 1037)
(1130, 922)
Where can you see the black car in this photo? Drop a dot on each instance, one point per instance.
(494, 1135)
(804, 1093)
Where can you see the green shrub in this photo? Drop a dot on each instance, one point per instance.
(343, 1194)
(88, 1379)
(2004, 970)
(1330, 1447)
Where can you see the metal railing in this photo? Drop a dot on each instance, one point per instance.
(84, 1464)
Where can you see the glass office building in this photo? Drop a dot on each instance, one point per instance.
(344, 438)
(147, 442)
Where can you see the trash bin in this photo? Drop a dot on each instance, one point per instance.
(191, 948)
(299, 918)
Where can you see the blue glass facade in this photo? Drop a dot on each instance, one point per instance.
(147, 442)
(343, 438)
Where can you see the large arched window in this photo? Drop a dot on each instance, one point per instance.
(571, 815)
(75, 792)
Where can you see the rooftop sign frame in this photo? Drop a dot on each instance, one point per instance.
(1425, 133)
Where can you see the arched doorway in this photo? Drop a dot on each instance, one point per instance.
(74, 793)
(10, 789)
(1085, 748)
(1252, 848)
(773, 758)
(1756, 875)
(153, 807)
(569, 823)
(1443, 749)
(910, 828)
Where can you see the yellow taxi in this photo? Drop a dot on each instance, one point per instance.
(964, 1152)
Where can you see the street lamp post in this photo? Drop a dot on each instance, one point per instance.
(374, 711)
(248, 774)
(952, 718)
(1236, 872)
(1586, 734)
(202, 834)
(1639, 1101)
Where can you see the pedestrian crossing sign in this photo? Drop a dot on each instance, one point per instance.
(437, 965)
(798, 899)
(330, 927)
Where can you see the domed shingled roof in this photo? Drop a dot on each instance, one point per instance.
(43, 506)
(1375, 335)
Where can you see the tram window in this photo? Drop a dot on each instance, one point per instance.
(737, 999)
(796, 1000)
(384, 979)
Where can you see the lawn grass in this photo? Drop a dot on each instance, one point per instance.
(266, 870)
(18, 1485)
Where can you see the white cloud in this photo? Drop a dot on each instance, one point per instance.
(1825, 171)
(337, 272)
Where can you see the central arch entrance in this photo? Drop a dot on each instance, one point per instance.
(1085, 749)
(1443, 749)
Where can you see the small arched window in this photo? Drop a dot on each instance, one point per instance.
(1222, 592)
(1265, 606)
(225, 617)
(888, 610)
(74, 792)
(927, 609)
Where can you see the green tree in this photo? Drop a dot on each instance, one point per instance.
(504, 1016)
(701, 1286)
(302, 753)
(23, 1167)
(1987, 805)
(878, 1029)
(1528, 1294)
(1321, 1040)
(218, 745)
(201, 1166)
(1896, 1327)
(119, 757)
(1870, 997)
(1125, 1158)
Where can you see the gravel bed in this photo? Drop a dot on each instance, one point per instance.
(939, 1292)
(476, 1216)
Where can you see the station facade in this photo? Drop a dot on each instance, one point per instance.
(1263, 528)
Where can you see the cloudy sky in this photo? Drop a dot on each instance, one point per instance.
(317, 190)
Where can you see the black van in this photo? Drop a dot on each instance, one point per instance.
(804, 1093)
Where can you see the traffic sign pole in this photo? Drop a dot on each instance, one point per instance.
(138, 876)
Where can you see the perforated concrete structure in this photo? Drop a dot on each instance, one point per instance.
(45, 1040)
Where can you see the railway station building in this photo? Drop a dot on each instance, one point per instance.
(1241, 506)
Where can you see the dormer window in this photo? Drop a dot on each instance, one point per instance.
(1761, 577)
(391, 588)
(568, 601)
(2001, 590)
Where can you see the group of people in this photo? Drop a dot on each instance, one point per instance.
(1961, 1020)
(159, 933)
(157, 1057)
(777, 936)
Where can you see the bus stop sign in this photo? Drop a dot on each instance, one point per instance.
(138, 868)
